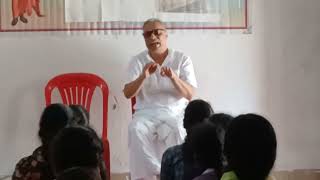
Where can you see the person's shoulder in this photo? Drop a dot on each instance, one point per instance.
(141, 55)
(34, 156)
(175, 148)
(179, 55)
(38, 154)
(23, 166)
(172, 151)
(172, 155)
(23, 161)
(139, 58)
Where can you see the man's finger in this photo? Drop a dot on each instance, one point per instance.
(167, 70)
(147, 66)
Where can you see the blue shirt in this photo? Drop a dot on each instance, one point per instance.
(175, 167)
(172, 165)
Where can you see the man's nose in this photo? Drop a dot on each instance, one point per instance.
(152, 36)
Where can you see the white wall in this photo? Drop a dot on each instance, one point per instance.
(236, 73)
(293, 66)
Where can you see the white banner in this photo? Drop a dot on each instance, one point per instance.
(121, 16)
(168, 10)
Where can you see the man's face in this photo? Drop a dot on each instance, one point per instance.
(155, 36)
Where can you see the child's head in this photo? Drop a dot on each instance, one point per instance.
(196, 111)
(76, 146)
(80, 115)
(205, 146)
(53, 119)
(221, 121)
(250, 147)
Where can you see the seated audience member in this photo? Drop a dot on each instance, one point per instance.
(54, 118)
(80, 115)
(207, 150)
(80, 173)
(250, 148)
(77, 146)
(177, 161)
(221, 121)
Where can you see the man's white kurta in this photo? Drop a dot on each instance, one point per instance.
(157, 121)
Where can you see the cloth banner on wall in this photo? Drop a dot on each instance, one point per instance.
(109, 16)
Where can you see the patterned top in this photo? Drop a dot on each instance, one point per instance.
(175, 167)
(34, 167)
(172, 166)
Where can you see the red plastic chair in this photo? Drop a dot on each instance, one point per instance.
(78, 88)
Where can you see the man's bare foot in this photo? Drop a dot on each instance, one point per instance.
(23, 19)
(14, 21)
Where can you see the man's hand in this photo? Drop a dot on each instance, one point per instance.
(149, 69)
(166, 71)
(185, 89)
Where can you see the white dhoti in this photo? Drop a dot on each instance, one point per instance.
(151, 132)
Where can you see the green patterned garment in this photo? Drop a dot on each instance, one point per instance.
(230, 175)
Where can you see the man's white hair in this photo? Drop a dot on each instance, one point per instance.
(153, 20)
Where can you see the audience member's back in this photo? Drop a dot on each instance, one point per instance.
(207, 150)
(80, 173)
(250, 148)
(177, 161)
(53, 119)
(81, 117)
(76, 146)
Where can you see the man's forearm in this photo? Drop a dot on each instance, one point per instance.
(185, 89)
(132, 89)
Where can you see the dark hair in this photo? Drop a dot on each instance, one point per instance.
(221, 121)
(206, 147)
(76, 146)
(79, 173)
(250, 147)
(53, 119)
(196, 111)
(80, 115)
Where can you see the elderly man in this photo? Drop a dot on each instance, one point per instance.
(163, 82)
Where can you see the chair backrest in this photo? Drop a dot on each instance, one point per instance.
(78, 88)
